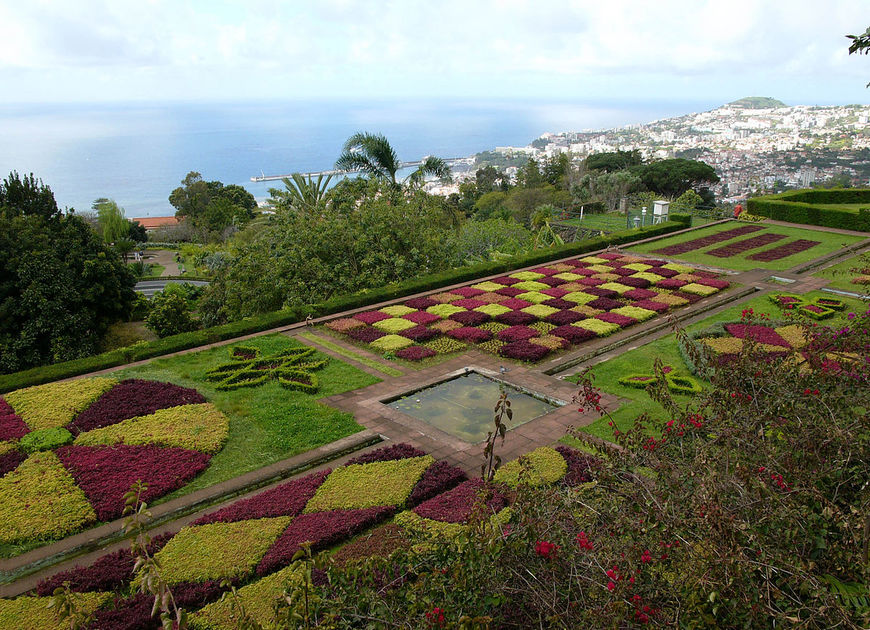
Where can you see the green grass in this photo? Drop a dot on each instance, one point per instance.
(267, 423)
(841, 274)
(829, 242)
(615, 221)
(384, 369)
(640, 360)
(155, 270)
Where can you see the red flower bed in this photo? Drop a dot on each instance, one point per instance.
(288, 499)
(552, 282)
(638, 283)
(573, 334)
(555, 292)
(609, 256)
(579, 466)
(322, 529)
(509, 291)
(134, 613)
(698, 243)
(419, 333)
(622, 271)
(388, 454)
(651, 305)
(438, 478)
(470, 334)
(468, 303)
(713, 282)
(421, 317)
(734, 249)
(107, 573)
(608, 293)
(505, 280)
(664, 272)
(782, 251)
(9, 460)
(516, 318)
(415, 353)
(131, 398)
(605, 304)
(517, 333)
(560, 304)
(365, 335)
(456, 505)
(470, 318)
(760, 334)
(105, 473)
(370, 317)
(523, 351)
(691, 298)
(615, 318)
(671, 283)
(421, 302)
(12, 427)
(515, 304)
(547, 271)
(591, 282)
(466, 292)
(640, 294)
(561, 318)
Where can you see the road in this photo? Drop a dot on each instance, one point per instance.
(149, 287)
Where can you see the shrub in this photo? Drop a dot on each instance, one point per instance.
(365, 335)
(580, 467)
(683, 384)
(388, 454)
(12, 426)
(45, 439)
(421, 303)
(561, 318)
(815, 311)
(422, 317)
(469, 303)
(833, 303)
(419, 333)
(640, 294)
(438, 478)
(470, 318)
(573, 334)
(614, 318)
(605, 304)
(170, 315)
(371, 317)
(809, 207)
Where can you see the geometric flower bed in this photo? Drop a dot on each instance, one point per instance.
(782, 251)
(529, 314)
(248, 369)
(698, 243)
(735, 249)
(818, 308)
(69, 451)
(266, 530)
(726, 339)
(681, 384)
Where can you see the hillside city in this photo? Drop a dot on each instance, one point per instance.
(756, 145)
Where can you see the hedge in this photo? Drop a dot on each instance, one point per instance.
(184, 341)
(816, 207)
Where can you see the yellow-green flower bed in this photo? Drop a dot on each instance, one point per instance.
(391, 343)
(534, 297)
(444, 310)
(699, 289)
(540, 310)
(34, 613)
(543, 466)
(397, 310)
(394, 325)
(445, 345)
(638, 267)
(493, 310)
(527, 275)
(55, 404)
(636, 312)
(653, 278)
(615, 286)
(579, 298)
(600, 328)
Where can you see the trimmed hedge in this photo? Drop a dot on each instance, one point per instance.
(285, 317)
(816, 207)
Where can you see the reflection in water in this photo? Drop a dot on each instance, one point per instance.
(463, 406)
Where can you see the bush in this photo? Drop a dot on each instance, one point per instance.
(816, 207)
(170, 315)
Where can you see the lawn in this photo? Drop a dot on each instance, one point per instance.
(841, 275)
(615, 221)
(641, 360)
(267, 423)
(828, 243)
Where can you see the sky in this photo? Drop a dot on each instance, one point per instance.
(54, 51)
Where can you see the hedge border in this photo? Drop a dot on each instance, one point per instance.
(285, 317)
(813, 207)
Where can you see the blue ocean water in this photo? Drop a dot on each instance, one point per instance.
(137, 153)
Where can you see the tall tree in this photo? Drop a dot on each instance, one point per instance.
(373, 155)
(675, 176)
(110, 218)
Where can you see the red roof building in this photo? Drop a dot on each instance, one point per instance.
(152, 223)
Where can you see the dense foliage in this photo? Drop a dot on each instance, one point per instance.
(60, 285)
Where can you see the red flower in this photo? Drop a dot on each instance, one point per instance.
(546, 549)
(583, 542)
(611, 585)
(436, 617)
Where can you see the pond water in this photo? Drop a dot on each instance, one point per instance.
(463, 406)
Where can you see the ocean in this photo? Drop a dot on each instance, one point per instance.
(138, 153)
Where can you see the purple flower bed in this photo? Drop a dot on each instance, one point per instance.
(651, 305)
(12, 427)
(579, 466)
(583, 271)
(505, 280)
(105, 473)
(559, 303)
(622, 271)
(469, 303)
(467, 292)
(598, 291)
(524, 351)
(591, 282)
(573, 334)
(552, 282)
(390, 453)
(654, 262)
(714, 282)
(759, 334)
(516, 318)
(735, 249)
(640, 294)
(419, 333)
(365, 335)
(561, 318)
(421, 317)
(470, 318)
(370, 317)
(322, 529)
(134, 613)
(605, 304)
(515, 304)
(666, 273)
(9, 460)
(131, 398)
(638, 283)
(438, 478)
(782, 251)
(698, 243)
(691, 298)
(456, 505)
(107, 573)
(470, 334)
(509, 291)
(421, 302)
(415, 353)
(671, 283)
(555, 292)
(547, 271)
(609, 256)
(517, 333)
(288, 499)
(615, 318)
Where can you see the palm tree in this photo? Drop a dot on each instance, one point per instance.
(301, 193)
(374, 155)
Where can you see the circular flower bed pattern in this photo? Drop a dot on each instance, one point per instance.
(69, 451)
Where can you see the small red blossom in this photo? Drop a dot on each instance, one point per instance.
(645, 557)
(436, 617)
(546, 549)
(611, 585)
(583, 542)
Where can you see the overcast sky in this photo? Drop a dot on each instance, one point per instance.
(159, 50)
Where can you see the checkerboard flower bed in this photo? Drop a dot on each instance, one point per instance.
(523, 351)
(344, 324)
(124, 431)
(517, 333)
(419, 333)
(469, 334)
(597, 326)
(470, 318)
(415, 353)
(393, 325)
(365, 335)
(698, 243)
(789, 249)
(612, 317)
(573, 334)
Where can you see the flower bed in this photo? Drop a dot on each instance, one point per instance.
(157, 432)
(815, 311)
(415, 353)
(523, 351)
(735, 249)
(783, 251)
(698, 243)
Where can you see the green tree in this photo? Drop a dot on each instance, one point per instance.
(675, 176)
(137, 232)
(481, 240)
(614, 161)
(490, 205)
(211, 206)
(529, 176)
(860, 44)
(300, 193)
(169, 315)
(60, 285)
(373, 155)
(110, 218)
(191, 198)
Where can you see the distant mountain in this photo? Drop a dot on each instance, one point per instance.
(758, 102)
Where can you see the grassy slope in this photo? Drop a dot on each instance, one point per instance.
(641, 359)
(840, 275)
(830, 242)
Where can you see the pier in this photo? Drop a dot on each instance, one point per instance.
(402, 165)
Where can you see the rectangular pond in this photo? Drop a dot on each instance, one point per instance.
(463, 405)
